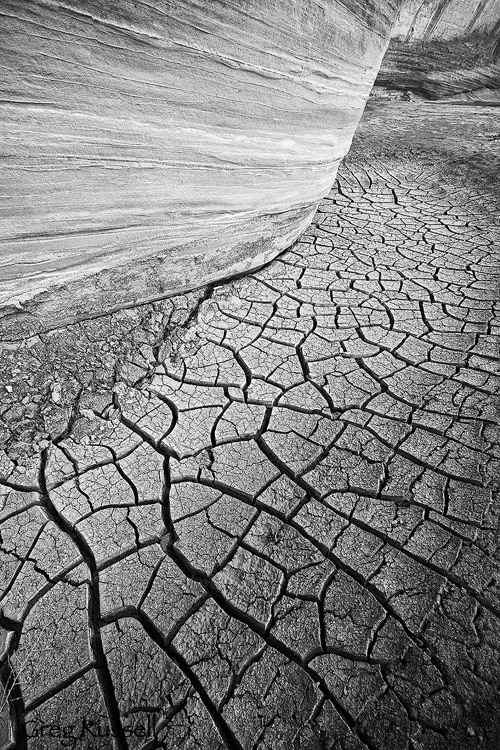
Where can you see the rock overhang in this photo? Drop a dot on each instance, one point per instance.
(152, 150)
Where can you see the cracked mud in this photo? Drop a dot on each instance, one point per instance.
(266, 515)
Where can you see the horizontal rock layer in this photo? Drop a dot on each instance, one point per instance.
(153, 147)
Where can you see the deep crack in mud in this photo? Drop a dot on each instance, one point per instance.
(267, 516)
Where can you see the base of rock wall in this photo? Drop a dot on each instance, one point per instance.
(162, 275)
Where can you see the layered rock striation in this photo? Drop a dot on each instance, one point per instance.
(445, 49)
(154, 147)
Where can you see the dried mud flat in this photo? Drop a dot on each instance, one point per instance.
(265, 515)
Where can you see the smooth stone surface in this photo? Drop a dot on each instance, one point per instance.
(152, 148)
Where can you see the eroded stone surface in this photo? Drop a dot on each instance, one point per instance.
(267, 516)
(152, 147)
(445, 49)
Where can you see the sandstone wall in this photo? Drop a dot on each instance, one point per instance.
(445, 49)
(438, 20)
(153, 147)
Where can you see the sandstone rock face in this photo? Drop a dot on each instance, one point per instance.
(153, 147)
(438, 20)
(445, 48)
